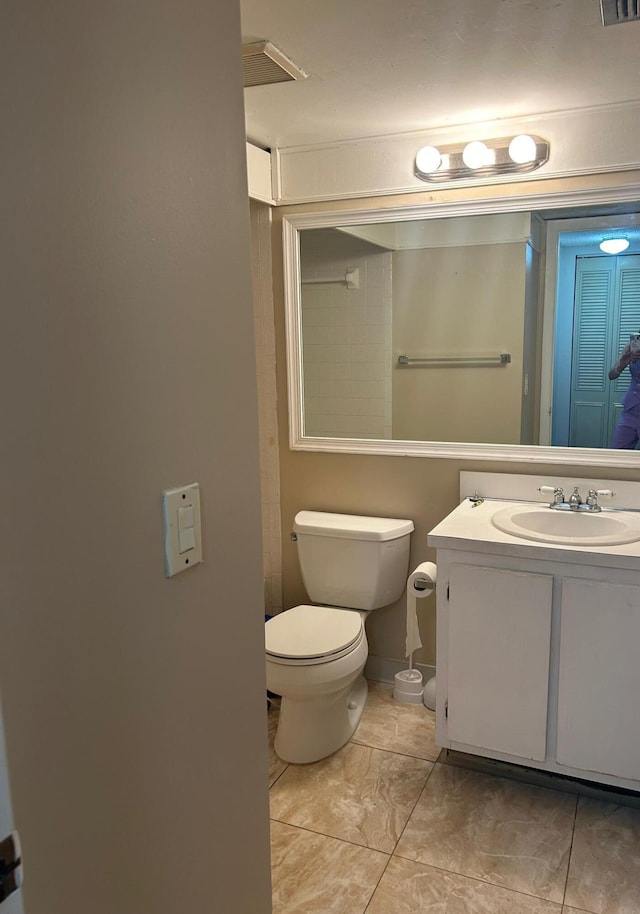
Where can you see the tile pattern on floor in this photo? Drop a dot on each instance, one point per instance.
(384, 827)
(360, 794)
(315, 873)
(491, 828)
(388, 724)
(408, 887)
(605, 859)
(276, 765)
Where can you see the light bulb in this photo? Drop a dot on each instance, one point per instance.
(475, 154)
(428, 159)
(522, 149)
(614, 245)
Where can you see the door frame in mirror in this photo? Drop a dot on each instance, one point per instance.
(293, 223)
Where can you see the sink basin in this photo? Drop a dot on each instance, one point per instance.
(571, 528)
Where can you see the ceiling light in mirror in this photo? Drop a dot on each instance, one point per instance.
(614, 245)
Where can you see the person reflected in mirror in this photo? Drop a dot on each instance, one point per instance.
(627, 431)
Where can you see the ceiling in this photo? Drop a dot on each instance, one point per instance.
(379, 67)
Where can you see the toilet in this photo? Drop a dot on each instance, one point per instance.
(315, 654)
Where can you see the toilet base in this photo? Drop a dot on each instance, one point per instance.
(310, 730)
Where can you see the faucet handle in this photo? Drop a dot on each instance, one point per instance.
(556, 491)
(592, 498)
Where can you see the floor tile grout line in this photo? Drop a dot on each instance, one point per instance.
(375, 888)
(312, 831)
(573, 834)
(413, 808)
(497, 885)
(423, 758)
(351, 742)
(276, 779)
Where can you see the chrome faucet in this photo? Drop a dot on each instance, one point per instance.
(591, 502)
(574, 500)
(558, 495)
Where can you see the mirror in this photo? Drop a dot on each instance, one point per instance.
(483, 329)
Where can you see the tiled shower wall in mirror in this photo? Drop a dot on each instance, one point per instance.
(346, 332)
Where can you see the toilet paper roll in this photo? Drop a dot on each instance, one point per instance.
(420, 583)
(423, 579)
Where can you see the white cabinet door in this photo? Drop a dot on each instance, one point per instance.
(498, 659)
(599, 688)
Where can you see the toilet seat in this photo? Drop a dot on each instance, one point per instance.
(308, 635)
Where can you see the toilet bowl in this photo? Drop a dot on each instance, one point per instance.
(315, 654)
(315, 659)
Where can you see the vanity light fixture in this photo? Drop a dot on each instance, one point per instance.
(614, 245)
(507, 155)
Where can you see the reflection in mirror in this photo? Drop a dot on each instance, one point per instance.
(495, 327)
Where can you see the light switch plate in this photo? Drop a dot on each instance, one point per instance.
(182, 546)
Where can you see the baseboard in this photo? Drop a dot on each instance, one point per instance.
(383, 669)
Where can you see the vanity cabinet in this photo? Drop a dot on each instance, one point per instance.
(537, 664)
(599, 678)
(499, 633)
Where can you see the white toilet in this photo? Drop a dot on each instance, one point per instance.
(316, 654)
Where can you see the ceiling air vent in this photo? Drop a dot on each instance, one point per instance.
(263, 64)
(616, 12)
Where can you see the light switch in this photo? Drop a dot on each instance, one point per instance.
(186, 532)
(182, 534)
(185, 517)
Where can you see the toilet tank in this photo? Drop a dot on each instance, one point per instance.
(353, 561)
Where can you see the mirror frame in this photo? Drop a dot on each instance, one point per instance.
(294, 223)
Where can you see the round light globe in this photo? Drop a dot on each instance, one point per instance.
(614, 245)
(522, 149)
(475, 154)
(428, 159)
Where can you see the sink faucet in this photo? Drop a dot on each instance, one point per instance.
(574, 499)
(575, 502)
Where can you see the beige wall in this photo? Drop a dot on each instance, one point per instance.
(134, 705)
(262, 284)
(462, 301)
(424, 489)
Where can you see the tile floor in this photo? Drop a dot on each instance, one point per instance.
(390, 825)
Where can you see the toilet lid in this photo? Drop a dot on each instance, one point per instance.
(307, 632)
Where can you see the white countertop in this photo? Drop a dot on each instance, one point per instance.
(469, 528)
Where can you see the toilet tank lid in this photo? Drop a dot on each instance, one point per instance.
(351, 526)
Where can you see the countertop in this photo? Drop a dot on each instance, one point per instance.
(469, 528)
